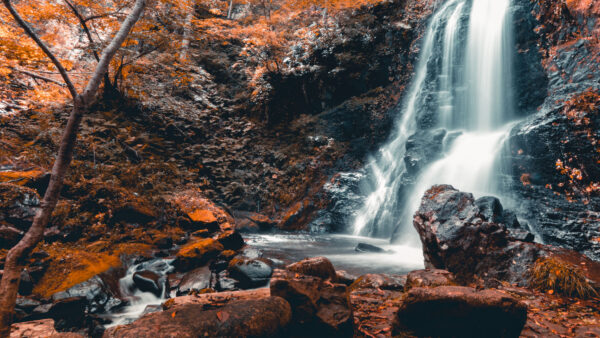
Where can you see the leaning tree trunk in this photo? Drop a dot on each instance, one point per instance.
(16, 257)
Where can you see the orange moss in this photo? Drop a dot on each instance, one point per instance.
(71, 266)
(202, 216)
(199, 248)
(19, 177)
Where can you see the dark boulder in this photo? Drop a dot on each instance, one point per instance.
(455, 311)
(149, 281)
(251, 273)
(364, 247)
(458, 238)
(231, 240)
(101, 292)
(244, 318)
(317, 266)
(319, 307)
(195, 280)
(68, 313)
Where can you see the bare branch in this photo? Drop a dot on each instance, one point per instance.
(42, 45)
(84, 26)
(38, 76)
(111, 49)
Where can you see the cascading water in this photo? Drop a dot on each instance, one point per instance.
(466, 84)
(139, 301)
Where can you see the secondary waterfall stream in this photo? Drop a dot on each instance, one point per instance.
(464, 85)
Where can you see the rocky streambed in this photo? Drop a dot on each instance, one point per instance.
(482, 279)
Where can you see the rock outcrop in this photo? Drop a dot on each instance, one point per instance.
(459, 237)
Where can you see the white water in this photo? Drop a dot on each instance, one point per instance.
(471, 85)
(139, 301)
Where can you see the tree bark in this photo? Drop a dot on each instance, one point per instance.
(187, 32)
(16, 257)
(230, 11)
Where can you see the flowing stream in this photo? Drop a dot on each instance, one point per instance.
(464, 76)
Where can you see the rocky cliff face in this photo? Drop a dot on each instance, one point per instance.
(554, 152)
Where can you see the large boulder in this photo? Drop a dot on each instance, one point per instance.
(195, 280)
(429, 278)
(457, 236)
(150, 281)
(242, 318)
(319, 306)
(455, 311)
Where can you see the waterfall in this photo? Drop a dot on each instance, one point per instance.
(465, 84)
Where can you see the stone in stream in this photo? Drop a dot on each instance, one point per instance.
(266, 317)
(39, 328)
(251, 273)
(364, 247)
(149, 281)
(195, 280)
(456, 311)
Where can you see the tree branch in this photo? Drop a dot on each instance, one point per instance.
(43, 46)
(110, 51)
(84, 26)
(37, 76)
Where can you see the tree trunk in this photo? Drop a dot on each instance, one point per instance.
(15, 260)
(187, 32)
(230, 11)
(16, 257)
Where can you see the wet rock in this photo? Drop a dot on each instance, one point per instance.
(149, 281)
(455, 311)
(317, 266)
(490, 208)
(379, 281)
(364, 247)
(9, 236)
(68, 312)
(458, 238)
(18, 205)
(251, 273)
(242, 318)
(429, 278)
(231, 240)
(344, 198)
(217, 299)
(226, 283)
(197, 279)
(345, 277)
(422, 148)
(197, 253)
(101, 291)
(318, 306)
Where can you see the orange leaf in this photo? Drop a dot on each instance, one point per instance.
(173, 314)
(223, 316)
